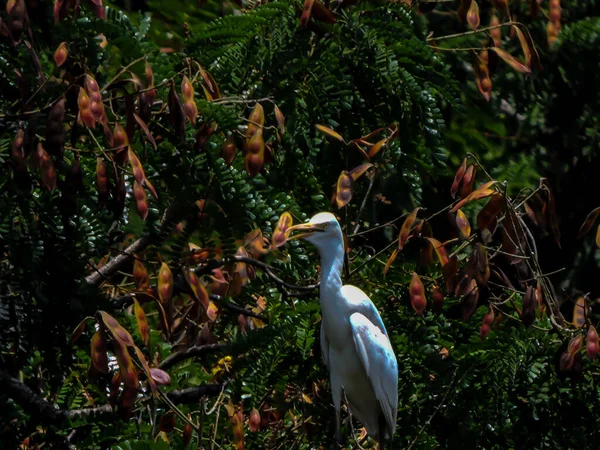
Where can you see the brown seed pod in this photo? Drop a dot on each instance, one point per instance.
(486, 325)
(141, 200)
(55, 130)
(437, 299)
(102, 181)
(591, 343)
(61, 54)
(418, 299)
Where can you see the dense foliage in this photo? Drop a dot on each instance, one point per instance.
(146, 164)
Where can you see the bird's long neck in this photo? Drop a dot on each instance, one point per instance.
(332, 264)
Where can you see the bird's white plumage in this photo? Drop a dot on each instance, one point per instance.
(354, 342)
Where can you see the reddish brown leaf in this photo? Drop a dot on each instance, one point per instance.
(511, 60)
(552, 219)
(79, 329)
(469, 304)
(147, 370)
(403, 236)
(306, 12)
(145, 129)
(590, 220)
(481, 192)
(390, 260)
(321, 13)
(343, 191)
(198, 289)
(467, 181)
(460, 173)
(127, 368)
(142, 322)
(449, 271)
(486, 219)
(329, 132)
(167, 422)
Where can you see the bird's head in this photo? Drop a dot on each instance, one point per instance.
(322, 230)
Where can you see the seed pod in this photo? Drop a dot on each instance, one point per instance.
(469, 304)
(529, 306)
(61, 54)
(237, 425)
(552, 33)
(417, 294)
(96, 105)
(18, 163)
(140, 275)
(467, 181)
(343, 189)
(55, 130)
(255, 156)
(85, 112)
(98, 353)
(167, 422)
(165, 284)
(228, 150)
(16, 20)
(554, 13)
(486, 325)
(102, 181)
(473, 15)
(141, 200)
(575, 345)
(437, 299)
(47, 171)
(256, 120)
(496, 33)
(187, 434)
(136, 166)
(254, 420)
(187, 90)
(482, 78)
(591, 343)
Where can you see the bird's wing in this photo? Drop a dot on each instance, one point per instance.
(324, 345)
(379, 361)
(362, 303)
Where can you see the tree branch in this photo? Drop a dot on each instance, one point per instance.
(194, 394)
(192, 352)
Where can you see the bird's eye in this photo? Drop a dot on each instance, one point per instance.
(326, 225)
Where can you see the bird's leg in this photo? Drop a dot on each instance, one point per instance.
(338, 428)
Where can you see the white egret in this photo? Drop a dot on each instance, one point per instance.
(354, 342)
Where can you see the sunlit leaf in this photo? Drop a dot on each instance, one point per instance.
(403, 236)
(440, 251)
(511, 60)
(306, 12)
(329, 132)
(463, 224)
(359, 170)
(377, 147)
(390, 260)
(147, 370)
(482, 192)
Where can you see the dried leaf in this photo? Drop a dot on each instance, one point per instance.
(79, 329)
(486, 219)
(377, 147)
(463, 224)
(359, 170)
(460, 173)
(127, 368)
(145, 129)
(390, 260)
(481, 192)
(439, 250)
(306, 12)
(280, 119)
(589, 222)
(467, 181)
(403, 236)
(343, 191)
(511, 60)
(147, 370)
(329, 132)
(142, 322)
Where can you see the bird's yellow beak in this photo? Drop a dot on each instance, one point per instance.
(305, 229)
